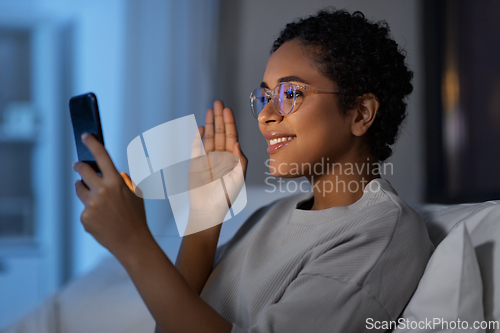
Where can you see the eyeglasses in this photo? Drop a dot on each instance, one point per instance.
(286, 97)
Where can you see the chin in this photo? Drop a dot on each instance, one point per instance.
(283, 173)
(283, 168)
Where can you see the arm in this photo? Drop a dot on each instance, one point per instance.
(197, 251)
(116, 218)
(169, 298)
(196, 256)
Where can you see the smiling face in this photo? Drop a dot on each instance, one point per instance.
(318, 131)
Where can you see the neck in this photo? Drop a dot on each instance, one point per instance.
(342, 184)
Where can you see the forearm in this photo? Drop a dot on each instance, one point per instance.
(196, 256)
(172, 302)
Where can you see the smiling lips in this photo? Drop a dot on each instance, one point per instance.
(278, 140)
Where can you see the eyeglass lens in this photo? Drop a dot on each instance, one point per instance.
(283, 99)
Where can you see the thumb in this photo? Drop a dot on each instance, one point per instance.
(243, 159)
(127, 180)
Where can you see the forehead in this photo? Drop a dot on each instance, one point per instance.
(293, 59)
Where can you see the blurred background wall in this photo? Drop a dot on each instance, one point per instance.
(148, 62)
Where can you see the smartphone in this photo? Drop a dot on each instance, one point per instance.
(85, 118)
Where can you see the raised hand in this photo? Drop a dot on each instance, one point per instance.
(226, 162)
(221, 134)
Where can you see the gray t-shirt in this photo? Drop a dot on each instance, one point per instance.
(294, 270)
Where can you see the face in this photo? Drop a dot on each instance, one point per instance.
(320, 134)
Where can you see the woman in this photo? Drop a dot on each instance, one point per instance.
(332, 95)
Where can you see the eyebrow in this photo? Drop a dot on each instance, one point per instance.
(292, 78)
(286, 79)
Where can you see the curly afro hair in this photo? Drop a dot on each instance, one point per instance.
(361, 57)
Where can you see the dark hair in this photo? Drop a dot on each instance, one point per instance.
(361, 57)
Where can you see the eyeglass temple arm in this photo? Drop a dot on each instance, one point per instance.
(333, 91)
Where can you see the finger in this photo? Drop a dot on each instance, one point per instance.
(220, 137)
(82, 192)
(101, 155)
(230, 129)
(196, 147)
(128, 181)
(209, 131)
(89, 176)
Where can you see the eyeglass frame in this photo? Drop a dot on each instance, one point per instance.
(269, 94)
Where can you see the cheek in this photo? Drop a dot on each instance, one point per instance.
(323, 138)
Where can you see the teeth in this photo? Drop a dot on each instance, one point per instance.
(275, 141)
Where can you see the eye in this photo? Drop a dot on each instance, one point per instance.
(298, 93)
(290, 93)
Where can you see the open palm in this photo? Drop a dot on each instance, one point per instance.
(215, 179)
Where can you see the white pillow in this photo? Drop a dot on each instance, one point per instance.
(450, 289)
(483, 223)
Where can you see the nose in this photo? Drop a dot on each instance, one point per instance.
(269, 114)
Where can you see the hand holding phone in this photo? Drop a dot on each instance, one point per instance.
(85, 118)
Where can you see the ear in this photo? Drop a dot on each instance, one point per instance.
(364, 113)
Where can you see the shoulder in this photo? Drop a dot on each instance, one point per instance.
(408, 230)
(388, 216)
(385, 208)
